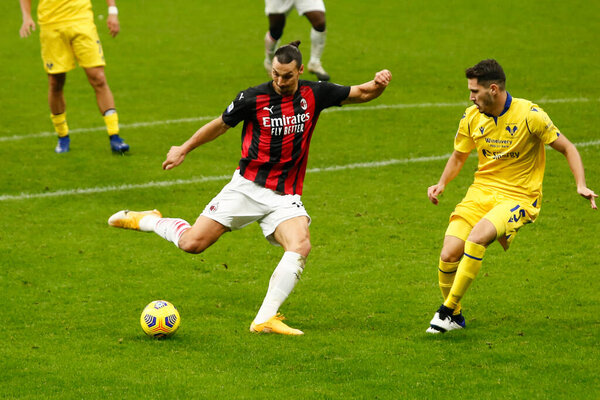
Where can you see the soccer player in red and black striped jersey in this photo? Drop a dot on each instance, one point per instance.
(279, 118)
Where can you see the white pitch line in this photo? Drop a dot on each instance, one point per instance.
(104, 189)
(153, 184)
(102, 128)
(342, 109)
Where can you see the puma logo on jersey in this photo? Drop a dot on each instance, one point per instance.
(270, 109)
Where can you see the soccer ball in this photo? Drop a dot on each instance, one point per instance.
(160, 319)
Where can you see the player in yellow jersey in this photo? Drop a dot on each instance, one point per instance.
(509, 135)
(68, 33)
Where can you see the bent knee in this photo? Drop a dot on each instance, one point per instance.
(451, 255)
(453, 249)
(193, 245)
(97, 80)
(317, 20)
(319, 27)
(302, 247)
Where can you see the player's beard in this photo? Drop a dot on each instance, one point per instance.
(286, 90)
(485, 103)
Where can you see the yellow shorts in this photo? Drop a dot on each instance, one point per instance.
(508, 214)
(62, 45)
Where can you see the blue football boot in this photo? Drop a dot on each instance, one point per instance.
(117, 144)
(63, 144)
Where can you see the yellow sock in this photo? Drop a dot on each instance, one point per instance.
(446, 274)
(112, 122)
(60, 124)
(468, 268)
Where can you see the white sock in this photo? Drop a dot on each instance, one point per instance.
(282, 283)
(170, 229)
(317, 45)
(147, 223)
(270, 46)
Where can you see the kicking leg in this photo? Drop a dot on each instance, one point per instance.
(203, 234)
(191, 239)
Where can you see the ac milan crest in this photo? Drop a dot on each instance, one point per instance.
(303, 104)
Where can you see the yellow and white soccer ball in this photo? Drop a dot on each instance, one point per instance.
(160, 319)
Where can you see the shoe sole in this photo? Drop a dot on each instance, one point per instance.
(269, 330)
(433, 330)
(438, 329)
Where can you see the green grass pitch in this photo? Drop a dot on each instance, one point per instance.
(72, 289)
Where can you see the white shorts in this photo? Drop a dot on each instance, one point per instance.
(242, 202)
(285, 6)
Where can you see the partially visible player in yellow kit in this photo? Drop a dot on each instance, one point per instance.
(68, 33)
(509, 135)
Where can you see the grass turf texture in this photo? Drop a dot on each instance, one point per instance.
(73, 288)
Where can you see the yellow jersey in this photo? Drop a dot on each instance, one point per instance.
(510, 147)
(57, 12)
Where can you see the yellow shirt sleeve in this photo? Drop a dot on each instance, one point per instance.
(540, 125)
(463, 141)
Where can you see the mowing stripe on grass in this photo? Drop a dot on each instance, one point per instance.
(344, 109)
(152, 184)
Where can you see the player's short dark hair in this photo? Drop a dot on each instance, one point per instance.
(288, 53)
(487, 72)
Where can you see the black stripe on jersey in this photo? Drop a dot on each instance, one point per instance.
(253, 149)
(298, 139)
(299, 166)
(274, 147)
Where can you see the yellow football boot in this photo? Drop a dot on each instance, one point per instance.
(275, 325)
(130, 219)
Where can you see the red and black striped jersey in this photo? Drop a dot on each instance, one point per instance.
(277, 130)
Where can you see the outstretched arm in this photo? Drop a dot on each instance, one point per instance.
(208, 132)
(563, 145)
(112, 21)
(453, 167)
(369, 90)
(28, 23)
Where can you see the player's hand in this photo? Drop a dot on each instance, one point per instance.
(27, 27)
(113, 24)
(588, 194)
(383, 78)
(175, 156)
(434, 191)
